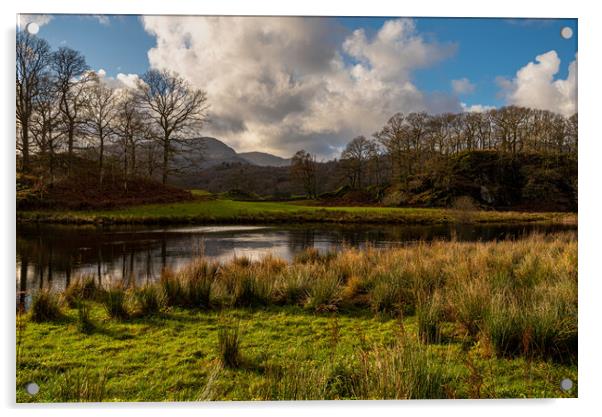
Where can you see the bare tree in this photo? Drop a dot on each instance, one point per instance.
(45, 122)
(131, 131)
(303, 171)
(32, 54)
(100, 114)
(354, 158)
(394, 137)
(176, 109)
(70, 70)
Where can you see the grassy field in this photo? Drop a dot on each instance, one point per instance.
(206, 210)
(438, 320)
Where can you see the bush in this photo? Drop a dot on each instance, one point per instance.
(45, 306)
(229, 346)
(114, 302)
(150, 299)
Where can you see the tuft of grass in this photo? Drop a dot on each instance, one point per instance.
(45, 306)
(405, 371)
(200, 277)
(172, 287)
(293, 286)
(229, 346)
(82, 288)
(82, 385)
(248, 289)
(429, 314)
(115, 302)
(84, 321)
(325, 292)
(150, 299)
(313, 255)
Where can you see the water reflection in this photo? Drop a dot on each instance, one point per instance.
(50, 256)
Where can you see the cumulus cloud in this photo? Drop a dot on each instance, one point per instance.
(462, 86)
(121, 81)
(279, 84)
(535, 85)
(40, 19)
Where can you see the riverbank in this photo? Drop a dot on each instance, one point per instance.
(219, 211)
(436, 320)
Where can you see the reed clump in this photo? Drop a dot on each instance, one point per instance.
(115, 302)
(45, 306)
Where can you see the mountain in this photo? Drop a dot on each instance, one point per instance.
(207, 152)
(263, 159)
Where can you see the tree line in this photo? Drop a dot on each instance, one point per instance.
(64, 109)
(409, 144)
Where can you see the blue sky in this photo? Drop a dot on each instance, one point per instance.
(486, 48)
(278, 85)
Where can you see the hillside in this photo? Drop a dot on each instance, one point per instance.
(264, 159)
(206, 152)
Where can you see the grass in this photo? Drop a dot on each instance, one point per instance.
(45, 306)
(229, 346)
(468, 320)
(202, 210)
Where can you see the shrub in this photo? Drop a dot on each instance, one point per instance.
(114, 302)
(150, 299)
(45, 306)
(229, 346)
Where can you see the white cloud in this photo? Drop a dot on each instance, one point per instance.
(121, 81)
(463, 86)
(40, 19)
(476, 108)
(534, 85)
(281, 84)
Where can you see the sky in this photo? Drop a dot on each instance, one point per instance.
(280, 84)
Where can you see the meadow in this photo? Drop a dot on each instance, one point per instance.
(205, 208)
(428, 320)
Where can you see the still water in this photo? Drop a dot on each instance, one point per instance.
(50, 256)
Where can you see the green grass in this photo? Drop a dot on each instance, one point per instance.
(176, 357)
(464, 320)
(203, 210)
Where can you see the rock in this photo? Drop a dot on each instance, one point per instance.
(486, 195)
